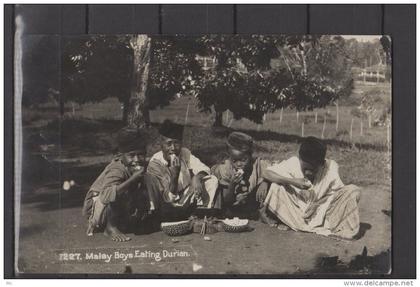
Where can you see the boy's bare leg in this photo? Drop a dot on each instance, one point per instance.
(111, 229)
(264, 217)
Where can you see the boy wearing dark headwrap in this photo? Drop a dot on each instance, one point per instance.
(176, 180)
(241, 181)
(116, 200)
(308, 195)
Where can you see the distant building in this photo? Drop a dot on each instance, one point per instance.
(376, 73)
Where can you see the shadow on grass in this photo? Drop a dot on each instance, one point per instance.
(57, 199)
(49, 193)
(360, 264)
(362, 230)
(69, 126)
(31, 230)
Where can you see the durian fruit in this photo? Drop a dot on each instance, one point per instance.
(176, 228)
(235, 225)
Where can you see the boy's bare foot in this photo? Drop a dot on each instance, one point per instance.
(341, 238)
(89, 231)
(115, 234)
(283, 227)
(265, 218)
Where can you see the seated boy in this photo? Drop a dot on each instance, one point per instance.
(115, 201)
(241, 181)
(176, 180)
(308, 195)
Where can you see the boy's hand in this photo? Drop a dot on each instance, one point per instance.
(175, 164)
(135, 178)
(139, 172)
(240, 198)
(237, 177)
(301, 183)
(197, 185)
(174, 160)
(234, 181)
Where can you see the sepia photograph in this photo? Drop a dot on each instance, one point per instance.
(229, 155)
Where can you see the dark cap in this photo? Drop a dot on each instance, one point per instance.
(312, 150)
(131, 141)
(240, 141)
(171, 130)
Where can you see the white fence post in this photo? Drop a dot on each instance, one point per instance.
(281, 115)
(186, 114)
(337, 116)
(303, 129)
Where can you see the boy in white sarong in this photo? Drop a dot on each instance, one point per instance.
(308, 195)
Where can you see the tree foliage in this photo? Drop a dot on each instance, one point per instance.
(95, 68)
(98, 67)
(41, 69)
(173, 67)
(369, 53)
(330, 66)
(248, 75)
(312, 71)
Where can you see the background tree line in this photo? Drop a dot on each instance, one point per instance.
(248, 75)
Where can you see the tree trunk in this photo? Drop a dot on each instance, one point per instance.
(218, 122)
(61, 107)
(138, 111)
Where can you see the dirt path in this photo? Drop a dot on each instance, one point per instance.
(46, 228)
